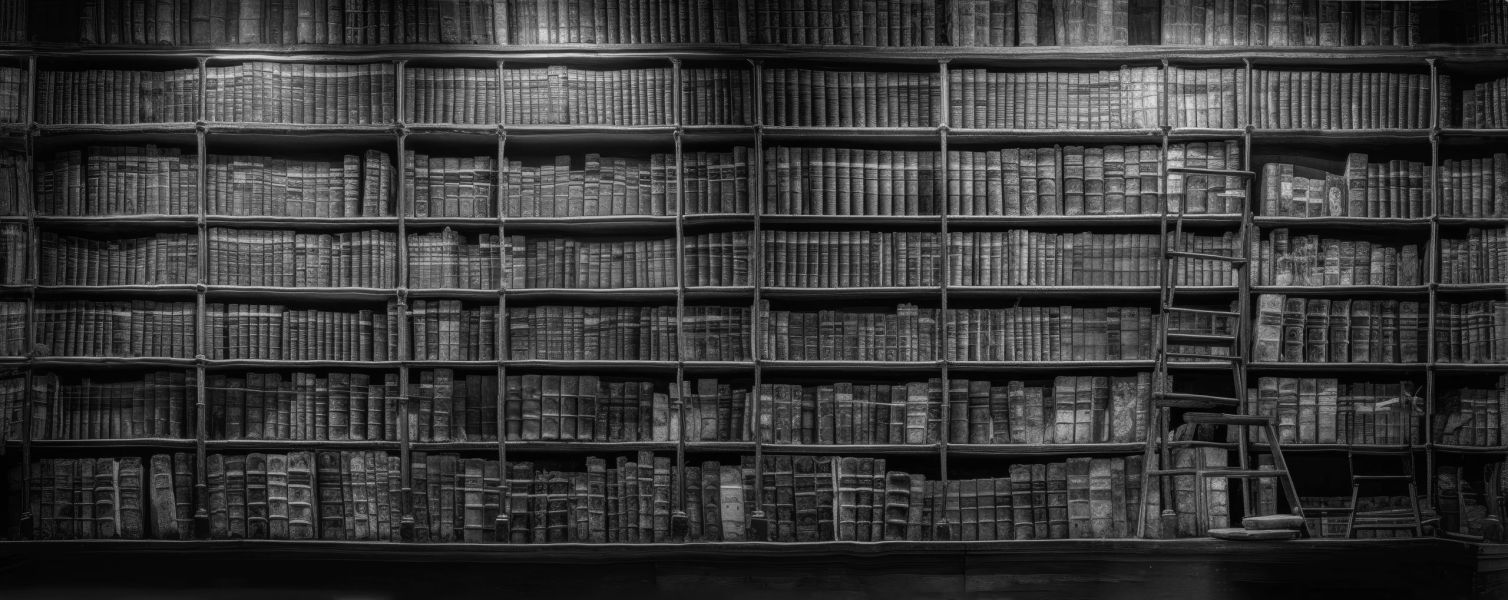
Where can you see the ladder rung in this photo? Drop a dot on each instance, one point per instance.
(1205, 338)
(1202, 311)
(1181, 400)
(1235, 260)
(1171, 472)
(1209, 171)
(1327, 509)
(1227, 419)
(1229, 358)
(1250, 473)
(1355, 478)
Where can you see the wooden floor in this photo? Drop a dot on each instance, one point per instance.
(1120, 569)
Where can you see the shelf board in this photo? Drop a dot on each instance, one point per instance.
(1341, 135)
(1420, 225)
(333, 294)
(594, 225)
(831, 366)
(850, 293)
(1448, 367)
(469, 129)
(381, 130)
(1049, 366)
(660, 366)
(70, 362)
(1358, 448)
(612, 295)
(1102, 291)
(1474, 221)
(1347, 291)
(264, 222)
(264, 445)
(1470, 449)
(1033, 450)
(851, 220)
(1468, 288)
(1055, 135)
(263, 363)
(701, 220)
(490, 224)
(719, 292)
(851, 449)
(1129, 221)
(147, 443)
(159, 290)
(185, 128)
(1482, 133)
(477, 295)
(1306, 367)
(118, 221)
(451, 364)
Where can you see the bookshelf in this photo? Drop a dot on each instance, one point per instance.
(676, 138)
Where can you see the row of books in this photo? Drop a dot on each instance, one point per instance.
(1480, 257)
(1395, 189)
(13, 322)
(1324, 411)
(1032, 333)
(451, 95)
(451, 186)
(1130, 97)
(1294, 23)
(1020, 257)
(447, 259)
(12, 87)
(1472, 416)
(1295, 259)
(562, 95)
(1330, 100)
(95, 96)
(358, 186)
(1471, 332)
(799, 180)
(305, 406)
(1127, 98)
(828, 98)
(273, 257)
(116, 180)
(100, 406)
(449, 330)
(1482, 105)
(850, 258)
(907, 23)
(15, 183)
(715, 333)
(15, 250)
(717, 96)
(277, 332)
(608, 22)
(1474, 187)
(267, 22)
(1317, 330)
(272, 92)
(108, 328)
(711, 259)
(106, 498)
(164, 258)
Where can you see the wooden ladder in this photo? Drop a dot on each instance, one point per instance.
(1230, 410)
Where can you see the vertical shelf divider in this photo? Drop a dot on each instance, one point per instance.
(942, 351)
(1433, 273)
(759, 527)
(502, 525)
(679, 522)
(25, 520)
(201, 346)
(404, 354)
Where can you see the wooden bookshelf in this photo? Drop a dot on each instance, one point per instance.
(396, 136)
